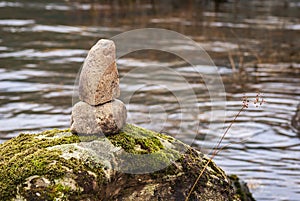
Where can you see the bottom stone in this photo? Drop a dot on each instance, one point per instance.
(108, 118)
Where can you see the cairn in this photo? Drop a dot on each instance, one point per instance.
(99, 112)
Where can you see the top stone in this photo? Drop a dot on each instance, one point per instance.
(99, 79)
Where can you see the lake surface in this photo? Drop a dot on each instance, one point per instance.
(254, 44)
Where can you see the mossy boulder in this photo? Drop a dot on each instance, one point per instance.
(136, 164)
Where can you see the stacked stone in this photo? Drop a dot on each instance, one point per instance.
(99, 112)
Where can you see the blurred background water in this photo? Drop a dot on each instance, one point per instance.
(254, 44)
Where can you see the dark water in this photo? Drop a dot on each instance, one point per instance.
(43, 45)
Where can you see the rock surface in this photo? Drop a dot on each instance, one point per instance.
(99, 79)
(108, 118)
(57, 165)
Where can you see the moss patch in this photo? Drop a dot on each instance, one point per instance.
(137, 140)
(145, 150)
(242, 191)
(27, 155)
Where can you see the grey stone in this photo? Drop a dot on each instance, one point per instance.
(99, 79)
(108, 118)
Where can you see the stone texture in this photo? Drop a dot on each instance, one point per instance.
(108, 118)
(56, 165)
(99, 79)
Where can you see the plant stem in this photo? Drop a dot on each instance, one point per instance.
(216, 151)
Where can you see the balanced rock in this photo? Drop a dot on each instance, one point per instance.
(107, 118)
(99, 112)
(99, 79)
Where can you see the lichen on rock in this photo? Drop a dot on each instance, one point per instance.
(57, 165)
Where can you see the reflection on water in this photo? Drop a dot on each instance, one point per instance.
(43, 45)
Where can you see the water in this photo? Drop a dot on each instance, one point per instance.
(43, 45)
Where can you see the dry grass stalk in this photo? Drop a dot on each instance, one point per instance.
(257, 102)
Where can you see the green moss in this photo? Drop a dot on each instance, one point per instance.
(50, 193)
(27, 155)
(144, 149)
(62, 188)
(242, 191)
(137, 140)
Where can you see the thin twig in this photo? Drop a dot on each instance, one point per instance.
(216, 151)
